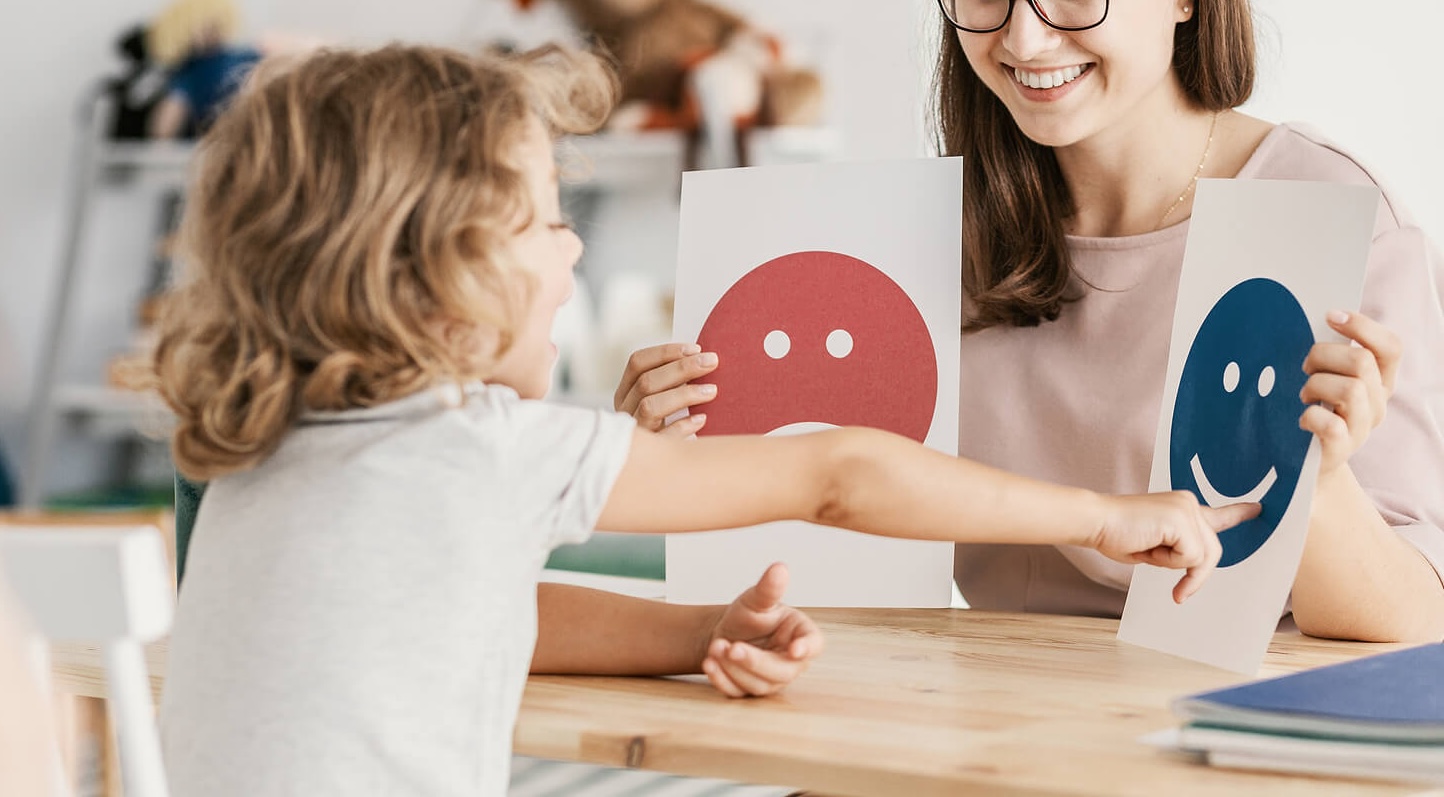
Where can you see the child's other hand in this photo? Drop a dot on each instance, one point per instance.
(657, 384)
(1168, 530)
(760, 645)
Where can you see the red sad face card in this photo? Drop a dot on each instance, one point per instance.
(832, 295)
(819, 338)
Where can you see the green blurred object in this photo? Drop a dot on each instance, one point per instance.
(611, 554)
(634, 555)
(138, 497)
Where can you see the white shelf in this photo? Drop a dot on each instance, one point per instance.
(103, 409)
(147, 154)
(609, 161)
(160, 163)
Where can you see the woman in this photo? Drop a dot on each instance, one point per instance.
(1084, 129)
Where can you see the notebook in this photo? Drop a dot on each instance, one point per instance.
(1312, 756)
(1395, 697)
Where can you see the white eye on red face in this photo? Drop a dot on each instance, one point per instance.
(778, 344)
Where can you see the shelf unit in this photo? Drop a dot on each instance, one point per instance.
(96, 163)
(606, 162)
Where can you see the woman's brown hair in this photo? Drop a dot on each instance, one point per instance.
(1016, 266)
(345, 237)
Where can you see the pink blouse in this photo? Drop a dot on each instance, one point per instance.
(1076, 401)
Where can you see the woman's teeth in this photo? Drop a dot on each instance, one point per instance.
(1047, 80)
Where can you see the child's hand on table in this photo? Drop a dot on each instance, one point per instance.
(759, 644)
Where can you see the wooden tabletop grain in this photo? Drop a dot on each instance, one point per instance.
(902, 703)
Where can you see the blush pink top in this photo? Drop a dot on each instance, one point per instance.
(1076, 401)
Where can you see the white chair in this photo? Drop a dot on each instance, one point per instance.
(109, 588)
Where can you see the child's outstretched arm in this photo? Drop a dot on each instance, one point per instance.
(881, 483)
(755, 646)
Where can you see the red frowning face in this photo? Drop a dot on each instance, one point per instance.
(819, 338)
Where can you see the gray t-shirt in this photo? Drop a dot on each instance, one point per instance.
(359, 611)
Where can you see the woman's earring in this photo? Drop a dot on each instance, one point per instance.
(1188, 9)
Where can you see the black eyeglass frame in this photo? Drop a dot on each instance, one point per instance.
(1033, 4)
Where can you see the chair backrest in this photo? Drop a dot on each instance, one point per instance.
(109, 587)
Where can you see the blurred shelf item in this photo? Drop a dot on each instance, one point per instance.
(622, 161)
(149, 164)
(107, 410)
(593, 165)
(613, 161)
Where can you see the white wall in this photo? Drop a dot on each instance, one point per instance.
(52, 53)
(1361, 72)
(1364, 74)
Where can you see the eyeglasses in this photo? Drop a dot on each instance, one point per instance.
(986, 16)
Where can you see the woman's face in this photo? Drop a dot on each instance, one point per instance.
(1063, 88)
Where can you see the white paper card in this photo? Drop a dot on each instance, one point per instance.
(1266, 261)
(832, 295)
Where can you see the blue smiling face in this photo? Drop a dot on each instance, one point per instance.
(1236, 434)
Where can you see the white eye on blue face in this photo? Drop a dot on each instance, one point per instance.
(1230, 377)
(1266, 381)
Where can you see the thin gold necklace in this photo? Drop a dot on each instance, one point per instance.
(1188, 189)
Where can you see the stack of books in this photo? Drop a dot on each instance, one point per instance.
(1380, 716)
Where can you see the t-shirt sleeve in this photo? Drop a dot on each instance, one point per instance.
(1401, 465)
(564, 463)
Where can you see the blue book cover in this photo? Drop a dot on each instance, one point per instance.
(1392, 697)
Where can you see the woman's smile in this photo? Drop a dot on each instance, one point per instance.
(1047, 85)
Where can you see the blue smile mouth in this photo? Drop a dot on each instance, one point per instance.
(1215, 499)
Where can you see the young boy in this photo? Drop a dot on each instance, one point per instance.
(378, 255)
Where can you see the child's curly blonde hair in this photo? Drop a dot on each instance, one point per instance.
(349, 214)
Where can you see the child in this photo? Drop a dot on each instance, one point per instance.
(379, 254)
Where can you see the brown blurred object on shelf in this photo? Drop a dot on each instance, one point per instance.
(670, 53)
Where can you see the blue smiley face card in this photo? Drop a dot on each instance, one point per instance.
(1265, 262)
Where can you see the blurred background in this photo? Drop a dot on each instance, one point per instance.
(76, 200)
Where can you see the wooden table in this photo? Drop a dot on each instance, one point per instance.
(909, 703)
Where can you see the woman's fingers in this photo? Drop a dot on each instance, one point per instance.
(1333, 433)
(652, 395)
(645, 360)
(1346, 397)
(686, 426)
(653, 411)
(1378, 339)
(1344, 362)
